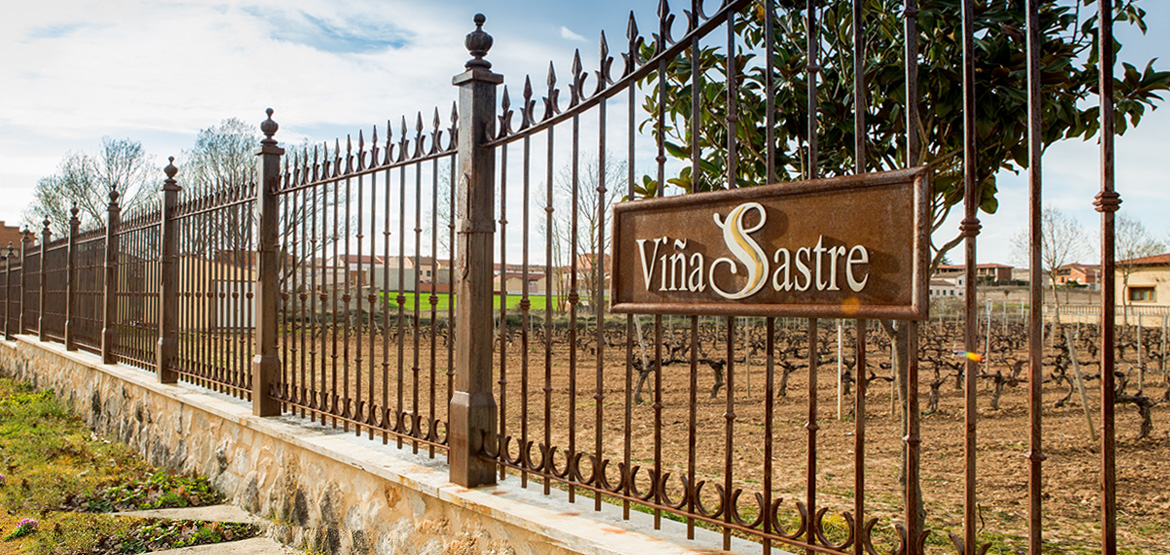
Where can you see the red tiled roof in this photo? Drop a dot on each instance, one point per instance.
(1148, 260)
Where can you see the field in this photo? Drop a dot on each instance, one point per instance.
(444, 301)
(561, 403)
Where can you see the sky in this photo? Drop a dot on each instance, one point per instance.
(159, 71)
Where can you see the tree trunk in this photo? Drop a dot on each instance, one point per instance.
(899, 336)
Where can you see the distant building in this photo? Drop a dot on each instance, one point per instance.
(947, 285)
(987, 273)
(1077, 274)
(1149, 281)
(9, 235)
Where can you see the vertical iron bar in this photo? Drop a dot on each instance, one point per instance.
(813, 36)
(627, 430)
(305, 293)
(400, 423)
(729, 508)
(318, 260)
(769, 416)
(599, 265)
(970, 228)
(415, 369)
(696, 185)
(524, 310)
(346, 296)
(1106, 203)
(548, 306)
(573, 300)
(387, 424)
(1035, 453)
(692, 429)
(657, 484)
(913, 444)
(502, 327)
(288, 294)
(913, 158)
(812, 427)
(860, 104)
(859, 539)
(450, 289)
(432, 425)
(358, 360)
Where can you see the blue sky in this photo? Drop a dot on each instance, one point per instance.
(158, 72)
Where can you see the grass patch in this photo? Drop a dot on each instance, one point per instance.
(443, 301)
(58, 473)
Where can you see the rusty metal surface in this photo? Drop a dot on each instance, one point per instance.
(883, 212)
(1107, 202)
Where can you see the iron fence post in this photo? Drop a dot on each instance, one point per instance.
(473, 408)
(71, 280)
(266, 364)
(46, 236)
(8, 291)
(25, 238)
(8, 333)
(110, 282)
(167, 289)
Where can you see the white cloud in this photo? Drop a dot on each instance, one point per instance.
(567, 33)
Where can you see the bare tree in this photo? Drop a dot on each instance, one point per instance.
(1133, 241)
(1062, 242)
(593, 208)
(85, 181)
(222, 164)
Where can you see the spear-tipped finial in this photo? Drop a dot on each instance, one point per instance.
(269, 127)
(478, 43)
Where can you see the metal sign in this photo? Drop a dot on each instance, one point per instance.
(845, 247)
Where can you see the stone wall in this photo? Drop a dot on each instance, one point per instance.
(324, 489)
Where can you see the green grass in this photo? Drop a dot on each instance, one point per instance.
(58, 472)
(444, 301)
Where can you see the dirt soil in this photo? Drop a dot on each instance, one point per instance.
(1071, 472)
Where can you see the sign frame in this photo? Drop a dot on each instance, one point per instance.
(919, 182)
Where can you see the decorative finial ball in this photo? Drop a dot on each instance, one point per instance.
(269, 126)
(171, 170)
(113, 195)
(478, 43)
(45, 223)
(75, 210)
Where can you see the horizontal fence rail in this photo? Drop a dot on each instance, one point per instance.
(445, 285)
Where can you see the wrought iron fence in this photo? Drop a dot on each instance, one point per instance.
(31, 278)
(327, 286)
(365, 342)
(136, 261)
(56, 256)
(85, 323)
(215, 271)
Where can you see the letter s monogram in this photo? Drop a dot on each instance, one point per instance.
(745, 249)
